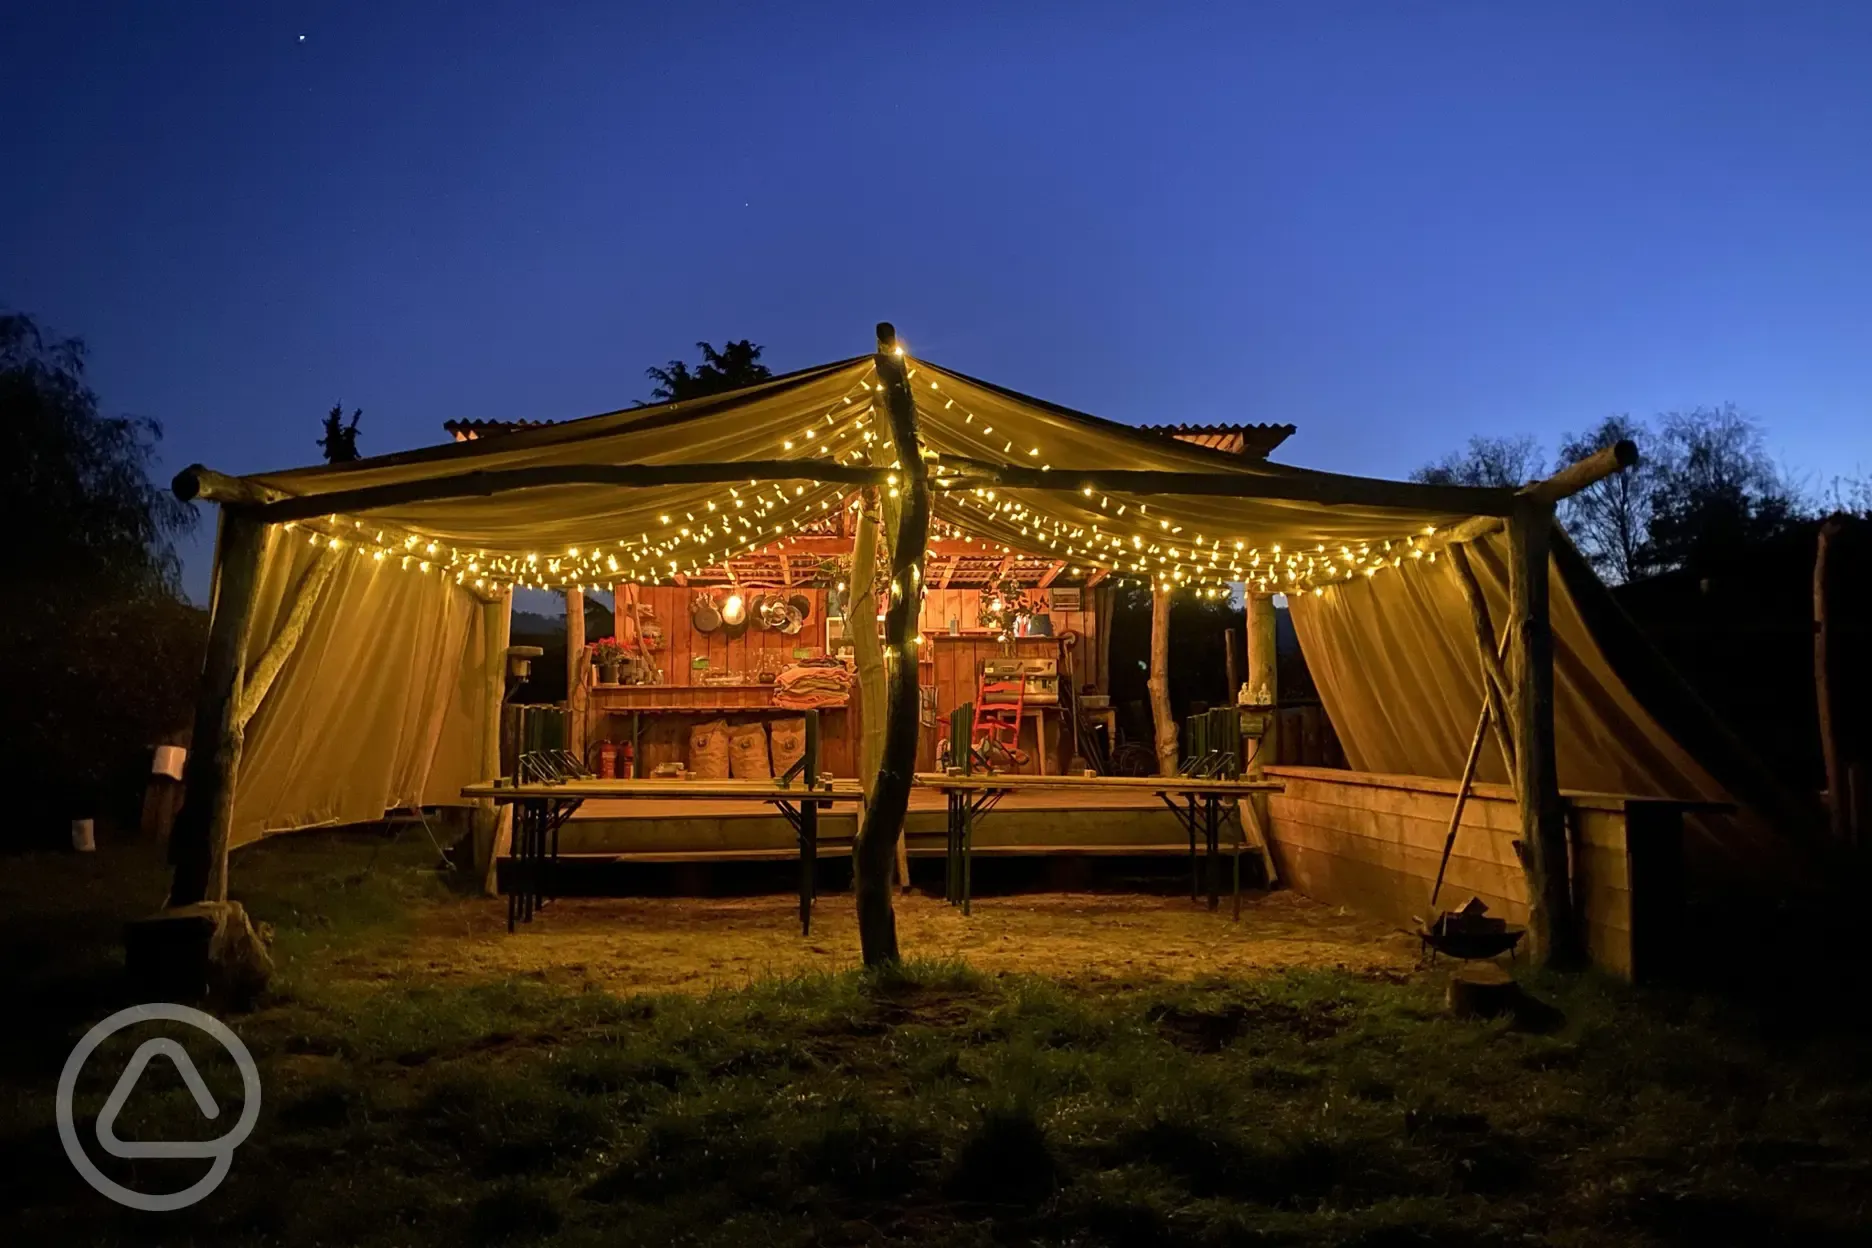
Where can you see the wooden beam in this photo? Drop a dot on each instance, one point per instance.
(1536, 782)
(482, 483)
(1098, 574)
(304, 598)
(1058, 566)
(1494, 678)
(1568, 481)
(199, 844)
(948, 570)
(1263, 672)
(875, 852)
(196, 483)
(1163, 723)
(1325, 488)
(1584, 473)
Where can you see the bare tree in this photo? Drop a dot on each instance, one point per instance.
(1610, 520)
(1717, 491)
(1507, 462)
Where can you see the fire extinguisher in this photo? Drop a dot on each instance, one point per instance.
(607, 760)
(627, 761)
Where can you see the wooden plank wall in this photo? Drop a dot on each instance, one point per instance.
(952, 664)
(1372, 843)
(681, 642)
(666, 736)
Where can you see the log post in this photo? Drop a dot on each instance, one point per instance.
(1826, 694)
(199, 845)
(1263, 671)
(1163, 722)
(492, 823)
(578, 699)
(1231, 670)
(1536, 780)
(875, 854)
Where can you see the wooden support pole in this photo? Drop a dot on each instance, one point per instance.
(861, 628)
(1263, 672)
(1231, 670)
(1163, 721)
(493, 824)
(578, 698)
(199, 844)
(876, 851)
(1828, 702)
(1263, 661)
(305, 597)
(1536, 782)
(1488, 653)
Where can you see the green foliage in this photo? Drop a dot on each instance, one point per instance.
(97, 653)
(78, 480)
(737, 364)
(339, 444)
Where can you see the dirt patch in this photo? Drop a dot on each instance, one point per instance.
(700, 944)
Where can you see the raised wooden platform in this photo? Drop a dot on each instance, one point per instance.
(1039, 824)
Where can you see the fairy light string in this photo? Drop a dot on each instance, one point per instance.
(697, 533)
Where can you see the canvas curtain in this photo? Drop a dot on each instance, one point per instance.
(1396, 663)
(379, 705)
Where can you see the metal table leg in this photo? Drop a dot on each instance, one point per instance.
(1212, 834)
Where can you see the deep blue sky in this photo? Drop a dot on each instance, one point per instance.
(1392, 224)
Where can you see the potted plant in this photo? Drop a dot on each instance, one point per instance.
(607, 655)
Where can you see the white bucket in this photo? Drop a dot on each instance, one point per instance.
(84, 840)
(168, 761)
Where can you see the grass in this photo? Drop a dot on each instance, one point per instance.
(933, 1104)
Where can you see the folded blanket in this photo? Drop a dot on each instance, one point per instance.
(804, 687)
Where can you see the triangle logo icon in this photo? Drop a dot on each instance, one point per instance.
(147, 1052)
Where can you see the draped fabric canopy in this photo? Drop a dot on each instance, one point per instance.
(378, 705)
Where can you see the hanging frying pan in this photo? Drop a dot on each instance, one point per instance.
(757, 610)
(802, 604)
(794, 621)
(703, 614)
(773, 611)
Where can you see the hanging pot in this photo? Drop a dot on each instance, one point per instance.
(703, 614)
(802, 604)
(794, 621)
(757, 610)
(774, 612)
(736, 628)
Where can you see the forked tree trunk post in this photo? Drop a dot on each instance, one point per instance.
(1536, 774)
(199, 845)
(876, 851)
(1163, 723)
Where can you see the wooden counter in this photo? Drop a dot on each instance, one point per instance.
(657, 718)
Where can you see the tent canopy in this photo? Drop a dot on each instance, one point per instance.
(807, 440)
(653, 493)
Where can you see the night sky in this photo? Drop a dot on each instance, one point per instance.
(1393, 225)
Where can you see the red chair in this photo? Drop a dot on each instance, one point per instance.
(995, 731)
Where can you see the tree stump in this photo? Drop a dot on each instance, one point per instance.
(1482, 990)
(208, 949)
